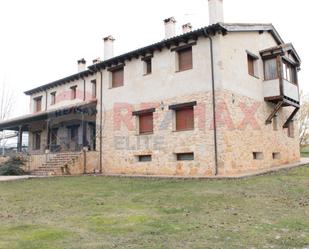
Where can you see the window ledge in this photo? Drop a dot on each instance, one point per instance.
(144, 134)
(179, 71)
(183, 130)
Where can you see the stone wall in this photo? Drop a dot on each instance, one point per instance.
(241, 131)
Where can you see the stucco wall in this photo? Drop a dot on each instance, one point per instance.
(63, 94)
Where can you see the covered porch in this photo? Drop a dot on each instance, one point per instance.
(71, 128)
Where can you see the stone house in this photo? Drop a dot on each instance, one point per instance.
(218, 100)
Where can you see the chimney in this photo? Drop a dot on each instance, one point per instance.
(108, 47)
(170, 27)
(215, 11)
(81, 65)
(186, 28)
(97, 60)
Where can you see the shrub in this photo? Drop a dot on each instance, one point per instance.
(13, 167)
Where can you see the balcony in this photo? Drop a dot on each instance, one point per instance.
(280, 86)
(272, 90)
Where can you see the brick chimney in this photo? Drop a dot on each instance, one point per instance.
(215, 11)
(170, 27)
(186, 28)
(81, 64)
(108, 47)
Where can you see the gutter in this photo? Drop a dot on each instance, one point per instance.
(213, 100)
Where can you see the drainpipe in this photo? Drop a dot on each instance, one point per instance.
(101, 120)
(45, 100)
(101, 117)
(213, 100)
(84, 97)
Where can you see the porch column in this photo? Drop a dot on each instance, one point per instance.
(48, 134)
(84, 130)
(20, 139)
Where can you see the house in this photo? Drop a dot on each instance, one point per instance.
(218, 100)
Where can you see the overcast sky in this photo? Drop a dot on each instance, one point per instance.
(42, 40)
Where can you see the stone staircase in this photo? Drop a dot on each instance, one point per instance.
(56, 165)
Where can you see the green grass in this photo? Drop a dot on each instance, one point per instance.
(97, 212)
(304, 151)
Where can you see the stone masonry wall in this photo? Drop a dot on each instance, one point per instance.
(241, 131)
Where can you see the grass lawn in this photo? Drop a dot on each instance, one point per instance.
(97, 212)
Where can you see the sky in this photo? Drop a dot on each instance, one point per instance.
(41, 41)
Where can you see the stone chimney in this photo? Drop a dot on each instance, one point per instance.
(215, 11)
(108, 47)
(170, 27)
(186, 28)
(81, 65)
(96, 60)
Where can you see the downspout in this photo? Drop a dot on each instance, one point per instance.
(84, 97)
(101, 116)
(101, 119)
(213, 99)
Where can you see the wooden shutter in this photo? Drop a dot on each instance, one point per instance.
(185, 119)
(146, 123)
(38, 103)
(185, 59)
(117, 77)
(250, 65)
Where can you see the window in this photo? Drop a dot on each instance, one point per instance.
(291, 129)
(117, 77)
(252, 64)
(276, 155)
(185, 59)
(148, 66)
(94, 88)
(257, 155)
(53, 98)
(184, 118)
(144, 158)
(146, 123)
(73, 92)
(289, 72)
(185, 156)
(38, 104)
(270, 69)
(37, 141)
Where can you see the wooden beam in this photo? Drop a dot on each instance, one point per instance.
(274, 112)
(290, 118)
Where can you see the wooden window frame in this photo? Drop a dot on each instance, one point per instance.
(181, 107)
(114, 70)
(141, 114)
(277, 66)
(53, 98)
(38, 100)
(180, 52)
(252, 62)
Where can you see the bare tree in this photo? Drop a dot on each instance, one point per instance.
(6, 101)
(303, 120)
(7, 98)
